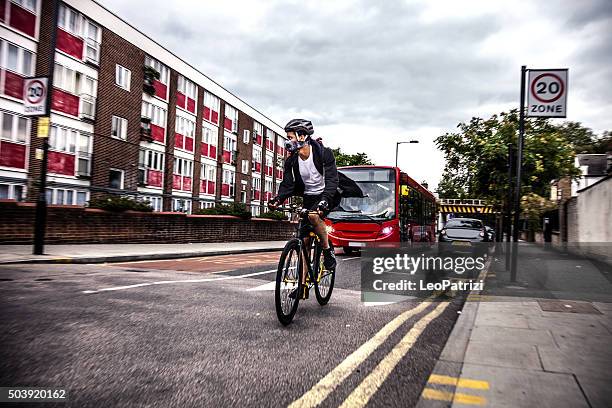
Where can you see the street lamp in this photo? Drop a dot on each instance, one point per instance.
(397, 147)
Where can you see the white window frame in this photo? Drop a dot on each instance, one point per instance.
(159, 67)
(119, 123)
(54, 192)
(258, 129)
(15, 135)
(245, 167)
(62, 21)
(232, 114)
(158, 115)
(11, 187)
(155, 202)
(123, 77)
(21, 52)
(246, 136)
(122, 180)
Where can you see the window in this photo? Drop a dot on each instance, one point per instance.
(183, 167)
(84, 156)
(246, 136)
(211, 107)
(187, 88)
(231, 118)
(181, 205)
(62, 196)
(185, 127)
(27, 4)
(259, 129)
(154, 201)
(63, 139)
(229, 178)
(245, 167)
(151, 159)
(14, 128)
(207, 204)
(68, 19)
(155, 113)
(11, 192)
(119, 127)
(92, 45)
(16, 59)
(122, 77)
(65, 78)
(115, 178)
(255, 210)
(159, 67)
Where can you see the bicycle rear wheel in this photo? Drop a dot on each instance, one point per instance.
(287, 289)
(324, 279)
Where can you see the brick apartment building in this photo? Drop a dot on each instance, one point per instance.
(128, 117)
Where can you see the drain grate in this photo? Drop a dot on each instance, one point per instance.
(567, 306)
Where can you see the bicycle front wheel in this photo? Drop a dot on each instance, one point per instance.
(287, 289)
(324, 279)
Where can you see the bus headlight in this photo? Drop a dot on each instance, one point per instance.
(386, 230)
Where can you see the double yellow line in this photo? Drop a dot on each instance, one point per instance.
(368, 387)
(460, 398)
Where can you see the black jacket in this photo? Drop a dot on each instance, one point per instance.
(324, 161)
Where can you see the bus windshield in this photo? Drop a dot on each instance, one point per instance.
(378, 186)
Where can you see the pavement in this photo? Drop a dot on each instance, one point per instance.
(100, 253)
(542, 339)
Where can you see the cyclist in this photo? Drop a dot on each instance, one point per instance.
(310, 171)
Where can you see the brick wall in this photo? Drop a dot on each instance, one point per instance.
(117, 101)
(245, 152)
(77, 225)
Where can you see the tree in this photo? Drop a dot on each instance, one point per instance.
(477, 157)
(583, 140)
(343, 159)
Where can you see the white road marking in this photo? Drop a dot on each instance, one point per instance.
(177, 281)
(265, 286)
(349, 259)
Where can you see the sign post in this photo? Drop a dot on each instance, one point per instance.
(546, 98)
(37, 92)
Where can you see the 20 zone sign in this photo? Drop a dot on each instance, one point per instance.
(547, 93)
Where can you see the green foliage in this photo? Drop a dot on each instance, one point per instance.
(274, 215)
(583, 140)
(477, 156)
(118, 204)
(343, 159)
(533, 207)
(235, 209)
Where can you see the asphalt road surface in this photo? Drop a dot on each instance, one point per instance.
(203, 332)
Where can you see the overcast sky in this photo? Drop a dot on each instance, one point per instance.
(370, 73)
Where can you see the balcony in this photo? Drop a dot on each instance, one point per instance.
(83, 168)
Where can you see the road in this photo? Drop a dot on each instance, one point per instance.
(203, 332)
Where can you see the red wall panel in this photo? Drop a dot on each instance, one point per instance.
(154, 178)
(226, 156)
(13, 85)
(213, 152)
(191, 105)
(180, 100)
(158, 133)
(61, 163)
(65, 102)
(214, 117)
(189, 144)
(207, 112)
(211, 187)
(12, 155)
(178, 140)
(176, 182)
(227, 124)
(225, 189)
(69, 44)
(186, 183)
(161, 90)
(22, 20)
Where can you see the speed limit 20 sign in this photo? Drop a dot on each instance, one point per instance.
(35, 96)
(547, 93)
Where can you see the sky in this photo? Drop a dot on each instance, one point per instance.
(372, 73)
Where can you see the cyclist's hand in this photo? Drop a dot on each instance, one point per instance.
(322, 207)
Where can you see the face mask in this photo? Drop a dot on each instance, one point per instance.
(294, 145)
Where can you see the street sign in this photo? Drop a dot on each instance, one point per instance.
(547, 93)
(43, 127)
(35, 96)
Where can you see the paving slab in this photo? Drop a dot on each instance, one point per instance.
(503, 355)
(579, 362)
(512, 335)
(597, 391)
(490, 318)
(512, 388)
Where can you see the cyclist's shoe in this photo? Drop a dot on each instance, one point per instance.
(329, 259)
(303, 293)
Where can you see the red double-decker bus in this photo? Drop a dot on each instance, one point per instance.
(396, 209)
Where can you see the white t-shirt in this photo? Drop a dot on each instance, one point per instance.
(313, 180)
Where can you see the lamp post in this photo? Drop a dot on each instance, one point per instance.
(397, 148)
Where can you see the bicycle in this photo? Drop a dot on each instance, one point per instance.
(290, 270)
